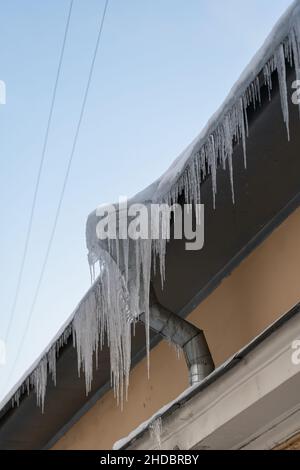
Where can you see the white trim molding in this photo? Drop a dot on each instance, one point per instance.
(254, 405)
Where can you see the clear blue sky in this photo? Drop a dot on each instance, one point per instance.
(163, 68)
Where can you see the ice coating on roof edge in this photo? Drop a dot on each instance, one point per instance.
(281, 31)
(92, 319)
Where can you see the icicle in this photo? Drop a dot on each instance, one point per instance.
(155, 429)
(268, 79)
(295, 42)
(125, 243)
(177, 349)
(51, 357)
(213, 168)
(85, 328)
(39, 382)
(105, 309)
(16, 398)
(288, 51)
(257, 85)
(146, 273)
(229, 152)
(243, 131)
(221, 147)
(281, 70)
(197, 189)
(38, 378)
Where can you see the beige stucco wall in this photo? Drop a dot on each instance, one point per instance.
(260, 290)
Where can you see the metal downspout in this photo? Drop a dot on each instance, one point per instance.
(185, 335)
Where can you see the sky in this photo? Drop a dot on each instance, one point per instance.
(163, 68)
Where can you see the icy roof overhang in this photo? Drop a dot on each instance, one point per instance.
(190, 277)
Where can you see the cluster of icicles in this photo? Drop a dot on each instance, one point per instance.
(155, 429)
(117, 297)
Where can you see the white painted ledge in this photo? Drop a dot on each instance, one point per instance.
(255, 405)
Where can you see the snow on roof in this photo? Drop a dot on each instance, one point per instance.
(212, 148)
(281, 33)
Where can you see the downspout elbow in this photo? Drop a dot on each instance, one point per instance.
(185, 335)
(198, 358)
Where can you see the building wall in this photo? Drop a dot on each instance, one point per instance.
(264, 287)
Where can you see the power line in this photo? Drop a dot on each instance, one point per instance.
(38, 180)
(44, 265)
